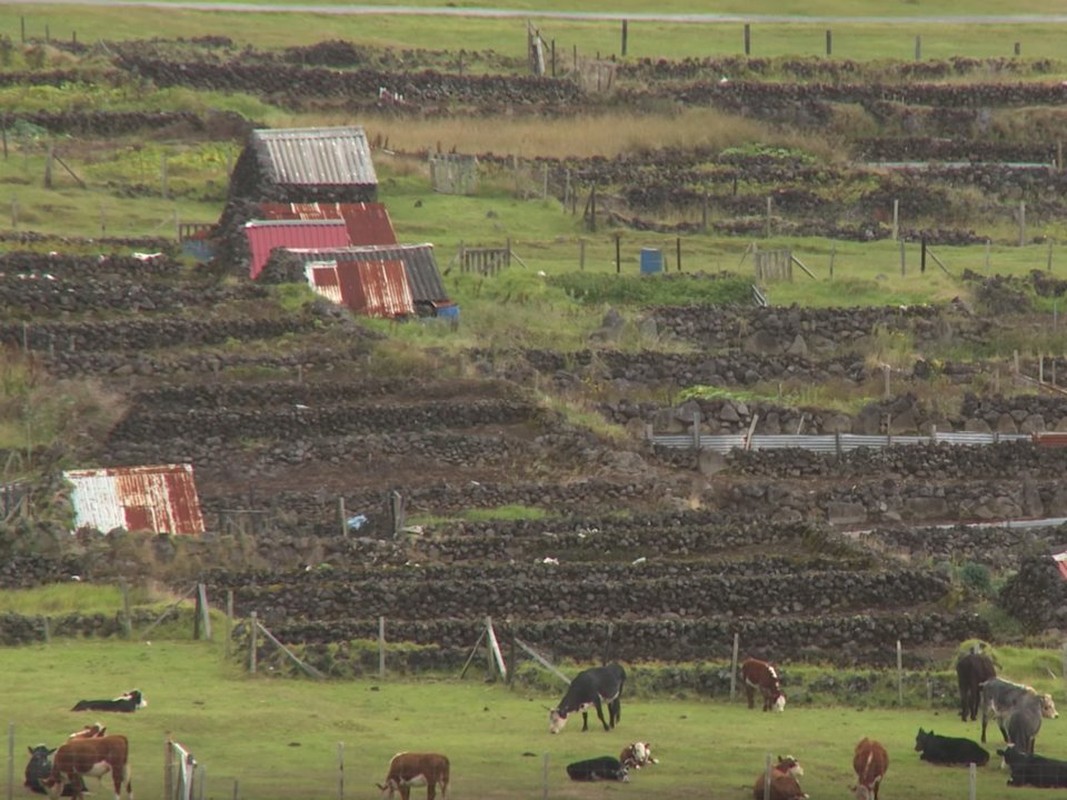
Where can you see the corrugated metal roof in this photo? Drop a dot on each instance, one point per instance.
(316, 156)
(419, 263)
(160, 499)
(265, 235)
(368, 223)
(375, 288)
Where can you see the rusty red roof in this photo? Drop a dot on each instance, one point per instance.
(265, 235)
(367, 223)
(375, 288)
(160, 499)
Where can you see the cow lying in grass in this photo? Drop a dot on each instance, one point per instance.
(1028, 769)
(784, 783)
(603, 768)
(637, 755)
(949, 749)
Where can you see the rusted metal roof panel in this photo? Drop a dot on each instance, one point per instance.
(316, 156)
(159, 499)
(419, 263)
(374, 288)
(368, 223)
(1050, 439)
(265, 235)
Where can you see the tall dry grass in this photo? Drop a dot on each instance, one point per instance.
(607, 134)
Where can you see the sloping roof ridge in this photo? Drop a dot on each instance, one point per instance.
(351, 130)
(297, 223)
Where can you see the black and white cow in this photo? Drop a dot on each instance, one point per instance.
(592, 687)
(126, 703)
(603, 768)
(1028, 769)
(972, 670)
(1018, 711)
(949, 749)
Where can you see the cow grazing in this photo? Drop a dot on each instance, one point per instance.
(592, 687)
(1028, 769)
(949, 749)
(784, 783)
(126, 703)
(417, 769)
(1018, 710)
(761, 675)
(870, 762)
(603, 768)
(95, 757)
(637, 755)
(972, 670)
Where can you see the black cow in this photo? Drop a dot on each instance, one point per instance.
(604, 768)
(1028, 769)
(972, 670)
(127, 703)
(40, 767)
(949, 750)
(591, 688)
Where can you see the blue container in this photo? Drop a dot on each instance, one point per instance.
(651, 260)
(448, 312)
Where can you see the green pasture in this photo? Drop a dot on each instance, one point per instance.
(282, 738)
(861, 31)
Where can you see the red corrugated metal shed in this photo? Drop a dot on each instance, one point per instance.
(160, 499)
(367, 223)
(374, 288)
(264, 236)
(1049, 439)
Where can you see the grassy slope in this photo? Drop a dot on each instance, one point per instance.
(280, 738)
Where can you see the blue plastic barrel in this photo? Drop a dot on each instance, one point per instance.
(651, 260)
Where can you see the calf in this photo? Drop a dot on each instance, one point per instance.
(604, 768)
(591, 687)
(972, 670)
(637, 755)
(94, 756)
(870, 762)
(784, 783)
(126, 703)
(417, 769)
(1028, 769)
(949, 750)
(761, 675)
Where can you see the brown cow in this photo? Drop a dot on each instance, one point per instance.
(416, 769)
(784, 783)
(637, 755)
(870, 763)
(756, 674)
(94, 756)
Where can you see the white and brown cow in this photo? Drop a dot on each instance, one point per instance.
(94, 756)
(417, 769)
(762, 676)
(870, 761)
(784, 783)
(636, 755)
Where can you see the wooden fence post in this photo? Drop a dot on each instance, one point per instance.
(252, 644)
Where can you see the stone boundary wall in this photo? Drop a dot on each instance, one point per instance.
(70, 266)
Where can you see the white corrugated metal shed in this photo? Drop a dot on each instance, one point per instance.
(316, 156)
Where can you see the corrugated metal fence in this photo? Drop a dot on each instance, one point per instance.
(824, 443)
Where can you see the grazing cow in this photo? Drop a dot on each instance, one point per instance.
(591, 687)
(1017, 709)
(784, 784)
(870, 762)
(949, 749)
(1028, 769)
(761, 675)
(603, 768)
(126, 703)
(972, 670)
(417, 769)
(637, 755)
(96, 757)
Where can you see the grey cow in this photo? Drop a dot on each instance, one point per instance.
(1018, 710)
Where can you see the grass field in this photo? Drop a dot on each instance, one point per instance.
(280, 738)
